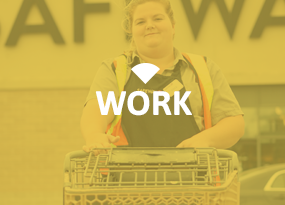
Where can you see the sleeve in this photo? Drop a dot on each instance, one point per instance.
(104, 81)
(224, 102)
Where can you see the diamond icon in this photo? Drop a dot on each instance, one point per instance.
(145, 71)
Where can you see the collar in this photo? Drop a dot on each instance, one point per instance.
(135, 59)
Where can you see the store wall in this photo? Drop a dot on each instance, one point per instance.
(37, 129)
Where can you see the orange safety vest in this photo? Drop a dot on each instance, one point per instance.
(205, 82)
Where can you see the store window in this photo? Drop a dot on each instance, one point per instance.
(264, 114)
(272, 120)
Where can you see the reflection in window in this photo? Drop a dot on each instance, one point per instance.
(264, 115)
(272, 120)
(251, 122)
(279, 182)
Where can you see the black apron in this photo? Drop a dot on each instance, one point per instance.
(161, 130)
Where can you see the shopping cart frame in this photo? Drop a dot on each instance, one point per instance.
(228, 187)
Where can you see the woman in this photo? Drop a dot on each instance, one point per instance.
(152, 28)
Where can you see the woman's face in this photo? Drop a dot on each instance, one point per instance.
(151, 26)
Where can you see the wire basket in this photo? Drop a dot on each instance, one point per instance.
(162, 176)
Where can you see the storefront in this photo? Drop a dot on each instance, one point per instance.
(59, 45)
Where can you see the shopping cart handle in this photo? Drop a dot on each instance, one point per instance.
(232, 155)
(224, 153)
(71, 155)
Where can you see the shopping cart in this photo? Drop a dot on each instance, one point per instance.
(152, 176)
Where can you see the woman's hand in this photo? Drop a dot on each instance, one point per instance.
(223, 135)
(194, 141)
(100, 141)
